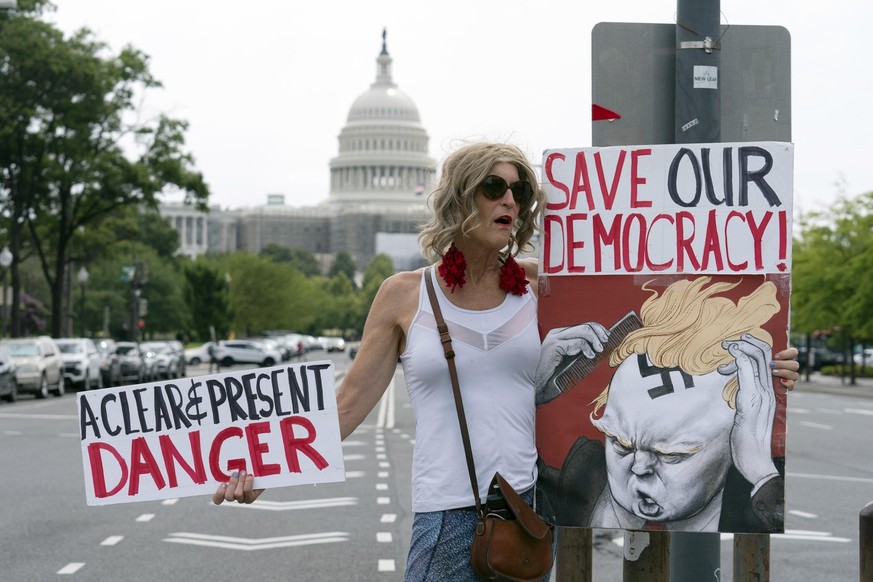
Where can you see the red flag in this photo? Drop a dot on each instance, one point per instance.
(599, 113)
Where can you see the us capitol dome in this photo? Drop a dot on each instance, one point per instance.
(383, 148)
(377, 203)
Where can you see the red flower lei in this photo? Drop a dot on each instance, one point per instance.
(452, 268)
(512, 277)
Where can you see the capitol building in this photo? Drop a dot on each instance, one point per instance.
(379, 181)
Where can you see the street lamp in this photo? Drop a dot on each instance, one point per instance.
(82, 278)
(5, 262)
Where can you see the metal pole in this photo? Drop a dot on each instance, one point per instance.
(646, 556)
(751, 557)
(574, 563)
(865, 540)
(5, 306)
(698, 60)
(697, 556)
(82, 311)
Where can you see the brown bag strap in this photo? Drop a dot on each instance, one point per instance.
(446, 340)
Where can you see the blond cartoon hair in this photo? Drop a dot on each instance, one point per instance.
(685, 326)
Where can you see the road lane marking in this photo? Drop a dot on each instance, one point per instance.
(295, 505)
(817, 425)
(385, 417)
(145, 517)
(111, 541)
(387, 566)
(71, 568)
(247, 544)
(383, 500)
(38, 416)
(802, 514)
(382, 474)
(859, 411)
(381, 486)
(173, 501)
(384, 537)
(831, 478)
(13, 432)
(388, 518)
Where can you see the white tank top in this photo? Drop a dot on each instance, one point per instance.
(496, 354)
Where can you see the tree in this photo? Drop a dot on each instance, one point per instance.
(71, 153)
(832, 276)
(208, 299)
(343, 263)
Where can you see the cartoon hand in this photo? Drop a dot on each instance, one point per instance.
(756, 407)
(585, 338)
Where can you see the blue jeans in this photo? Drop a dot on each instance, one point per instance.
(439, 549)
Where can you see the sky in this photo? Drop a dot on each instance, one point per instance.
(266, 87)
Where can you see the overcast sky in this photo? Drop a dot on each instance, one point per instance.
(267, 86)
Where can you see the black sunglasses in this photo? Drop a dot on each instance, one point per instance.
(494, 187)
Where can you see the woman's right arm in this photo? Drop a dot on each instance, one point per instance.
(373, 368)
(392, 311)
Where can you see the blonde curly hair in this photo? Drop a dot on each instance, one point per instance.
(454, 204)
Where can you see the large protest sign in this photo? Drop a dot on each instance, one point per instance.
(183, 437)
(682, 253)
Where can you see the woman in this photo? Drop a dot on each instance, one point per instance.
(486, 206)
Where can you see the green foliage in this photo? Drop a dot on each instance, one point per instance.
(70, 154)
(832, 277)
(301, 259)
(208, 300)
(343, 263)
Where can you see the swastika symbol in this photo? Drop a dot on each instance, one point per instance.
(647, 370)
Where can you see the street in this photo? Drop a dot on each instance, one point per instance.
(359, 530)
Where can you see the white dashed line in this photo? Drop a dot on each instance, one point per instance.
(384, 464)
(354, 457)
(173, 501)
(381, 456)
(817, 425)
(145, 517)
(111, 541)
(384, 537)
(388, 518)
(382, 474)
(802, 514)
(71, 568)
(859, 411)
(387, 566)
(381, 486)
(383, 500)
(13, 432)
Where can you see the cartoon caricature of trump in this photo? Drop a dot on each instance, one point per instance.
(687, 422)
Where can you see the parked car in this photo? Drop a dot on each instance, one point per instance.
(198, 355)
(81, 362)
(864, 357)
(38, 365)
(133, 367)
(8, 387)
(232, 352)
(332, 344)
(181, 361)
(161, 360)
(110, 364)
(310, 343)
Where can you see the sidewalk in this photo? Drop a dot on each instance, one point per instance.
(834, 385)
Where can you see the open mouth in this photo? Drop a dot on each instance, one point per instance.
(648, 507)
(505, 220)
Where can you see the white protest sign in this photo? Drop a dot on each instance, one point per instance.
(179, 438)
(693, 208)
